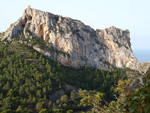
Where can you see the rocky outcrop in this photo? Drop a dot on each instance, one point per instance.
(84, 46)
(144, 67)
(117, 47)
(57, 95)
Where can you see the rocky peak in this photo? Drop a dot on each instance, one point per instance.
(104, 49)
(117, 47)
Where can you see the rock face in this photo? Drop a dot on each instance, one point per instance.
(104, 49)
(144, 67)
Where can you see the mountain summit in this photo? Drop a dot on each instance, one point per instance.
(78, 44)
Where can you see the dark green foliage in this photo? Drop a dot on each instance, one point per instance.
(38, 41)
(95, 79)
(64, 98)
(58, 111)
(28, 78)
(138, 100)
(23, 83)
(44, 111)
(129, 101)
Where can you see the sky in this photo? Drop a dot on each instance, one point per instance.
(99, 14)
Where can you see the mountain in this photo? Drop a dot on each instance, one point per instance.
(30, 82)
(77, 44)
(71, 56)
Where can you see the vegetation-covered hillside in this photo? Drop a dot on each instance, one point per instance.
(27, 79)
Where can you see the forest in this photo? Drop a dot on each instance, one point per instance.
(28, 79)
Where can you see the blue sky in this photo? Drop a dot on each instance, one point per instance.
(99, 14)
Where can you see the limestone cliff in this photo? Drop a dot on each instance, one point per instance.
(144, 67)
(104, 49)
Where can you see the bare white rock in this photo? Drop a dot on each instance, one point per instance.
(103, 49)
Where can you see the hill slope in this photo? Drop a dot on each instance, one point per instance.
(29, 81)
